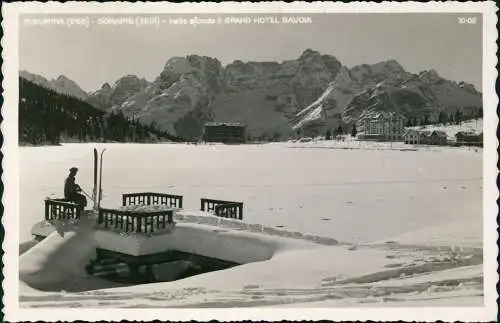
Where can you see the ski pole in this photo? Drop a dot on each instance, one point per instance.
(87, 195)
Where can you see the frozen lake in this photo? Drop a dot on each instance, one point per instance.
(351, 195)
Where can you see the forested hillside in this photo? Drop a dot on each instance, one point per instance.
(47, 117)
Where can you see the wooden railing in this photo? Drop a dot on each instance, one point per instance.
(133, 221)
(60, 209)
(148, 198)
(225, 209)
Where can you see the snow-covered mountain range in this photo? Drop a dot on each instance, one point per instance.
(62, 84)
(277, 99)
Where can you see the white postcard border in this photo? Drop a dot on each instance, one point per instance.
(10, 199)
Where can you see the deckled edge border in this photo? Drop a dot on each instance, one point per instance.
(489, 57)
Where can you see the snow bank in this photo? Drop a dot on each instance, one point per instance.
(209, 219)
(460, 235)
(61, 255)
(207, 235)
(286, 271)
(204, 240)
(56, 258)
(27, 245)
(341, 274)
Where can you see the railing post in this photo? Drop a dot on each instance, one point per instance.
(124, 200)
(47, 209)
(139, 224)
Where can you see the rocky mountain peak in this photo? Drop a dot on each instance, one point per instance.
(180, 65)
(391, 64)
(468, 87)
(430, 76)
(61, 84)
(390, 72)
(106, 86)
(127, 80)
(272, 97)
(210, 69)
(62, 78)
(309, 54)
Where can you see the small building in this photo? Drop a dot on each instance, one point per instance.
(438, 138)
(230, 133)
(411, 137)
(425, 137)
(469, 138)
(417, 137)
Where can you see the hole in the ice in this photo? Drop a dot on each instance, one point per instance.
(164, 267)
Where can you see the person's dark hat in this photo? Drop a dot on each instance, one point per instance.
(73, 169)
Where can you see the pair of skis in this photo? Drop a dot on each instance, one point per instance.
(97, 191)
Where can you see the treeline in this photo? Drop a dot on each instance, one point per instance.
(446, 118)
(48, 117)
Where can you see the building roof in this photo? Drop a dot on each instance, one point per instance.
(230, 124)
(466, 133)
(440, 133)
(410, 131)
(419, 132)
(379, 114)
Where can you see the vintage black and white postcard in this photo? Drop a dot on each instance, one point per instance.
(259, 161)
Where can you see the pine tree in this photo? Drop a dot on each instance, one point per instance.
(354, 131)
(458, 117)
(426, 120)
(328, 135)
(443, 117)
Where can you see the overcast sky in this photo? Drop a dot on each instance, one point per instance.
(97, 54)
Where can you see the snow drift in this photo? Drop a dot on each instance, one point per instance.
(65, 252)
(56, 259)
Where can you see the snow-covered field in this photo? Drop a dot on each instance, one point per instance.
(413, 220)
(341, 193)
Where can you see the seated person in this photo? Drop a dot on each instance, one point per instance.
(72, 191)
